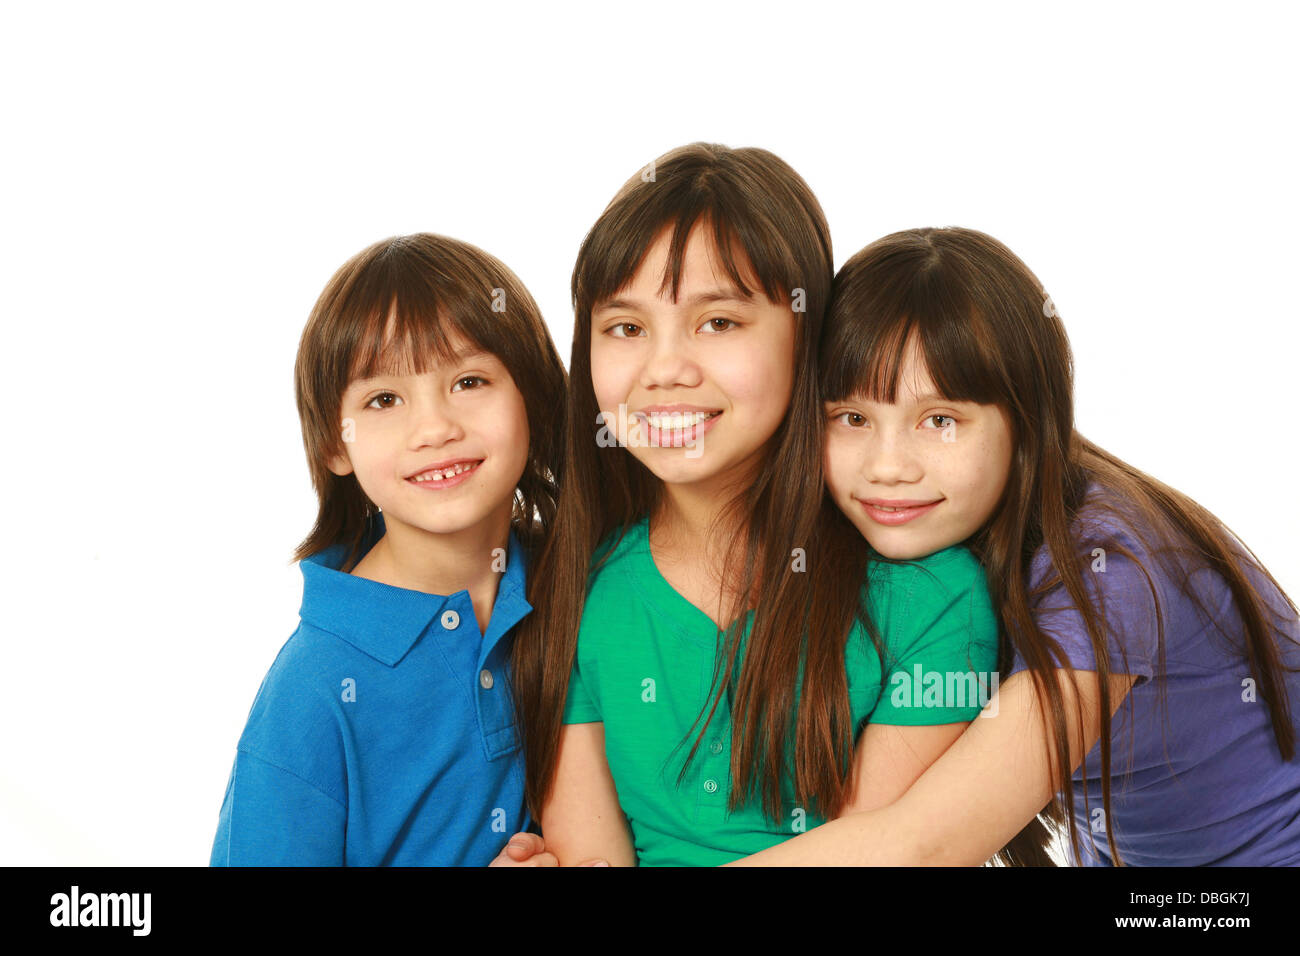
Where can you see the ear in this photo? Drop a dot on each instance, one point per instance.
(339, 465)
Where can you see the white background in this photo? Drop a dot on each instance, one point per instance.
(180, 181)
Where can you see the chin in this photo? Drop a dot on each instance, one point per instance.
(898, 550)
(447, 520)
(675, 468)
(903, 554)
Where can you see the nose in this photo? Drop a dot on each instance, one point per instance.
(889, 459)
(434, 423)
(670, 363)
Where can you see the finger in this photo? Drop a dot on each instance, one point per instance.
(524, 845)
(542, 859)
(594, 863)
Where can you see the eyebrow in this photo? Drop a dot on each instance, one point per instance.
(700, 298)
(469, 352)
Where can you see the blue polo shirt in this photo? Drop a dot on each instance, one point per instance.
(383, 733)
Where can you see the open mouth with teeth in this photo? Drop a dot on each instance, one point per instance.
(445, 474)
(676, 427)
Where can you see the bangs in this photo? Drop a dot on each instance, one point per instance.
(873, 327)
(752, 250)
(405, 339)
(405, 321)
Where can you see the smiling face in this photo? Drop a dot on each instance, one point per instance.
(919, 475)
(705, 380)
(410, 435)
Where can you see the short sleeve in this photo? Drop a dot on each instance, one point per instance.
(580, 707)
(1118, 587)
(286, 799)
(941, 638)
(271, 817)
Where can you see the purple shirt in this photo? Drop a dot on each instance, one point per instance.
(1206, 785)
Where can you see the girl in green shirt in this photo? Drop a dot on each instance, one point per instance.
(709, 640)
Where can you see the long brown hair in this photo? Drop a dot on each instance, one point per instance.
(422, 288)
(988, 334)
(761, 215)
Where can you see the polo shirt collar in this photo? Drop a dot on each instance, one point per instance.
(385, 621)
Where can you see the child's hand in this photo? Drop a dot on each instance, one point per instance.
(525, 849)
(528, 849)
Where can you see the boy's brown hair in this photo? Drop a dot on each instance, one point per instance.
(396, 307)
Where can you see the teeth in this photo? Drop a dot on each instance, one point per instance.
(445, 473)
(677, 420)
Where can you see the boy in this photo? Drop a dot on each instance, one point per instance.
(384, 732)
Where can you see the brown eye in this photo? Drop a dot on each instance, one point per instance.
(720, 318)
(380, 398)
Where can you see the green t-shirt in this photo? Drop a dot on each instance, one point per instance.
(645, 668)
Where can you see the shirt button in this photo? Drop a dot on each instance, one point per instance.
(485, 678)
(450, 620)
(716, 747)
(711, 786)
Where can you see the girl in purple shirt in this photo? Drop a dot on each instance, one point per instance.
(1144, 647)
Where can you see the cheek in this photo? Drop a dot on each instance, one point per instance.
(999, 470)
(506, 421)
(984, 473)
(839, 464)
(611, 378)
(759, 380)
(520, 436)
(371, 446)
(995, 457)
